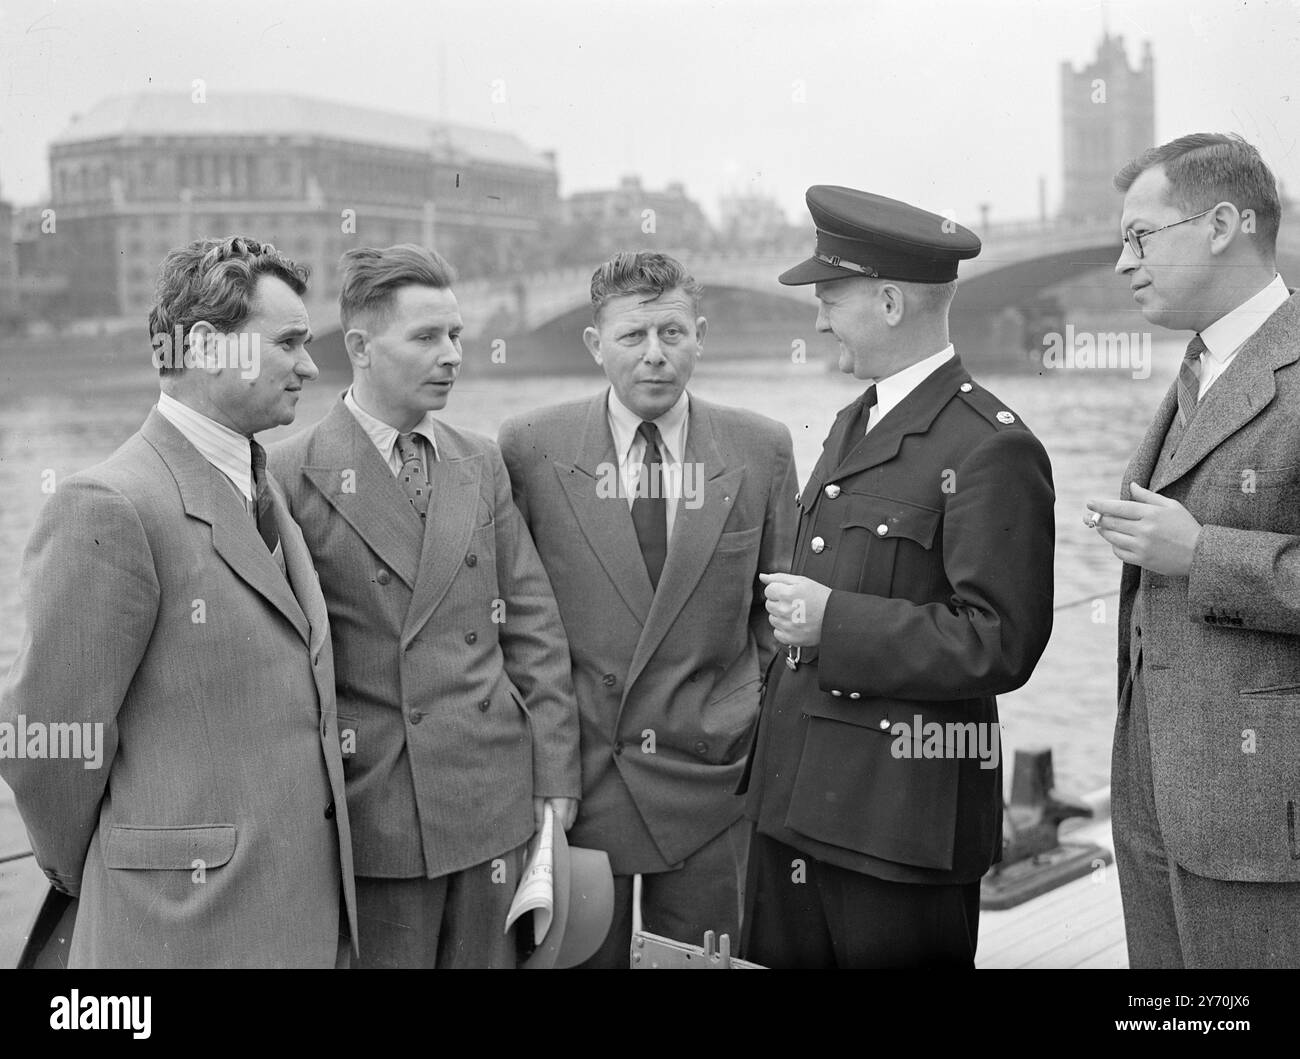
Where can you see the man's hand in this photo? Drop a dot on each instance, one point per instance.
(566, 811)
(795, 606)
(1150, 531)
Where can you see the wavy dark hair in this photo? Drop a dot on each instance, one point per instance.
(641, 272)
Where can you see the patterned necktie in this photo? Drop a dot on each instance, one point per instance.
(412, 477)
(650, 508)
(1189, 385)
(262, 511)
(858, 419)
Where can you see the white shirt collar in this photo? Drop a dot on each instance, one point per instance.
(891, 391)
(227, 450)
(1229, 332)
(385, 436)
(623, 423)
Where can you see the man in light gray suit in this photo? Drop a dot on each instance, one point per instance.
(1206, 769)
(453, 681)
(654, 512)
(172, 607)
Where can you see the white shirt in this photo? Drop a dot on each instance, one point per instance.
(227, 450)
(891, 391)
(630, 449)
(385, 436)
(1229, 332)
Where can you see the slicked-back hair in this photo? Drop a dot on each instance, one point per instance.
(645, 272)
(1206, 168)
(215, 280)
(371, 277)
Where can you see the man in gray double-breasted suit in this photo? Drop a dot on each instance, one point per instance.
(1206, 769)
(455, 701)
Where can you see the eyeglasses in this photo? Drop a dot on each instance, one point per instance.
(1134, 239)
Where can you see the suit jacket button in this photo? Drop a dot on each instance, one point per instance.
(701, 747)
(832, 491)
(483, 706)
(471, 637)
(609, 680)
(471, 559)
(416, 717)
(329, 811)
(817, 545)
(965, 387)
(618, 747)
(383, 577)
(855, 694)
(882, 529)
(837, 693)
(884, 722)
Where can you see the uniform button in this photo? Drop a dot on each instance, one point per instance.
(618, 747)
(383, 577)
(471, 637)
(965, 387)
(832, 491)
(817, 545)
(471, 559)
(855, 694)
(1006, 418)
(837, 693)
(329, 811)
(884, 722)
(416, 716)
(483, 706)
(882, 529)
(701, 747)
(609, 680)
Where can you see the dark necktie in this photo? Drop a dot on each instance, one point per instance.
(1189, 385)
(650, 508)
(262, 511)
(412, 477)
(857, 428)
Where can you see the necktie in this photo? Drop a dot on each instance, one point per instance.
(1189, 385)
(857, 429)
(650, 508)
(262, 512)
(412, 477)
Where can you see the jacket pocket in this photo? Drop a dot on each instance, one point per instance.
(877, 535)
(169, 847)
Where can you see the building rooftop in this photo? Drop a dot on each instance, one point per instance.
(283, 114)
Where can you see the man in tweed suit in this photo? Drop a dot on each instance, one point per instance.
(1206, 768)
(455, 701)
(657, 585)
(171, 599)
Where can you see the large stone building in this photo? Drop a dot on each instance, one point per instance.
(142, 173)
(631, 216)
(8, 268)
(1108, 116)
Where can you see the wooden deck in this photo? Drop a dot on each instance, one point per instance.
(1080, 924)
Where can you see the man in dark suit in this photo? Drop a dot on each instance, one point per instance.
(455, 701)
(171, 603)
(1205, 791)
(654, 511)
(921, 588)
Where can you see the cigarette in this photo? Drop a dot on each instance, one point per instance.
(1093, 520)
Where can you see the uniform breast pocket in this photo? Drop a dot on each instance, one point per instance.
(878, 536)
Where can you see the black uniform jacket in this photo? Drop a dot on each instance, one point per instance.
(936, 535)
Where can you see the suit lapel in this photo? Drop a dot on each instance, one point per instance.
(695, 534)
(1238, 395)
(302, 575)
(209, 499)
(1143, 464)
(912, 415)
(591, 486)
(347, 470)
(452, 516)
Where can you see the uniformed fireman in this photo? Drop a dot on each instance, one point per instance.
(921, 588)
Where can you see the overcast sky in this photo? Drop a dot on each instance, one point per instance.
(945, 104)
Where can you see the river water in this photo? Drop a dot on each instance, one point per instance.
(67, 408)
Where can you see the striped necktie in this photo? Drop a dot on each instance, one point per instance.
(1189, 386)
(414, 482)
(262, 510)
